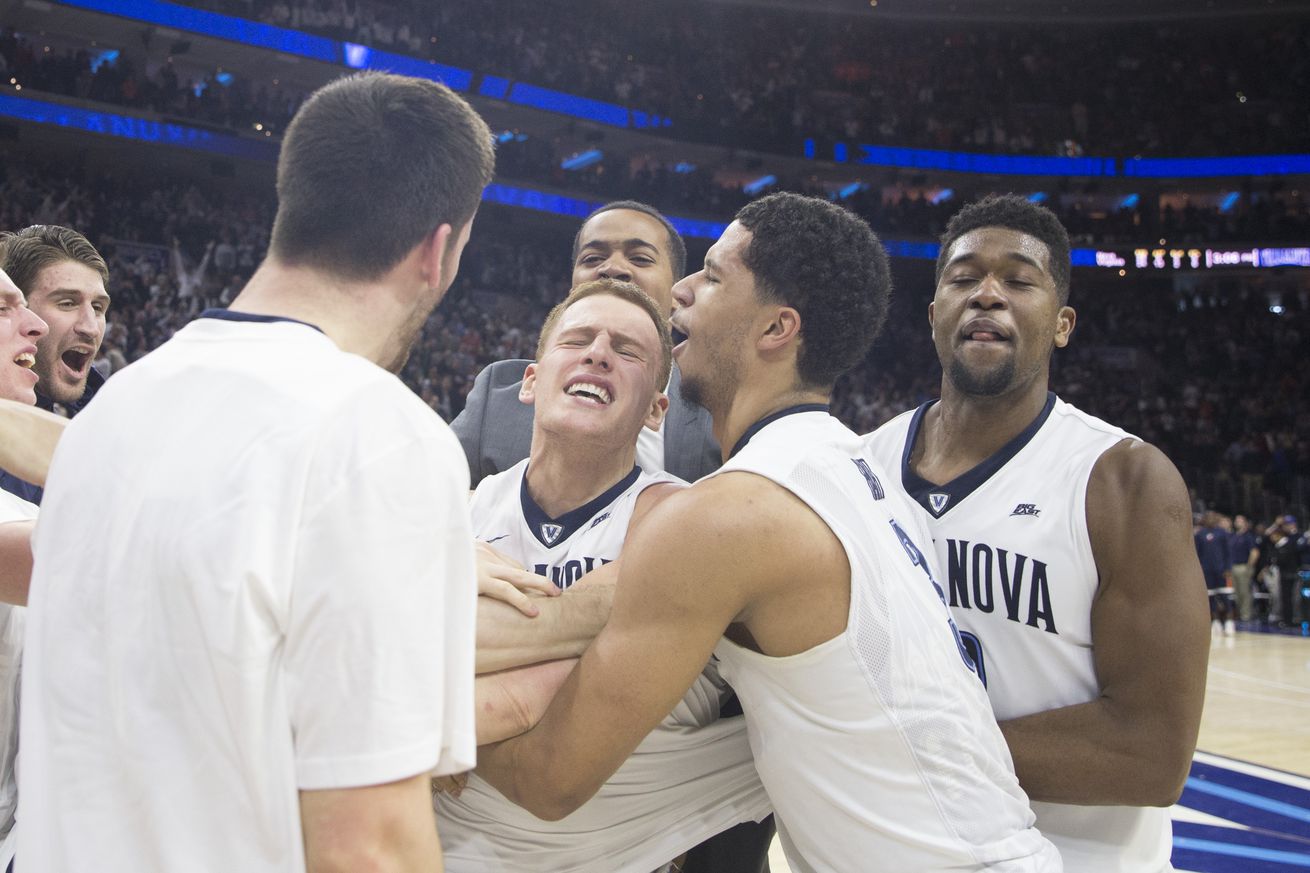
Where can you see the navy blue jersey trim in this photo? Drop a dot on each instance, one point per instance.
(770, 419)
(940, 499)
(571, 521)
(234, 315)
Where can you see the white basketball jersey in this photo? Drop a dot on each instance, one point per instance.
(691, 778)
(877, 747)
(1011, 536)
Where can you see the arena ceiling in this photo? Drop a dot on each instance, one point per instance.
(1053, 11)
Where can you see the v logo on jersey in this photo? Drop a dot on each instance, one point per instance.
(551, 532)
(938, 501)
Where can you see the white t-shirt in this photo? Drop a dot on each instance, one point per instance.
(254, 576)
(692, 776)
(12, 621)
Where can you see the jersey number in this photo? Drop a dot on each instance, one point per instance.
(917, 558)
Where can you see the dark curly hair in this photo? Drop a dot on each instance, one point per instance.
(1014, 212)
(827, 263)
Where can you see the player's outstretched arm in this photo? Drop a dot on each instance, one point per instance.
(682, 584)
(28, 437)
(1133, 745)
(563, 627)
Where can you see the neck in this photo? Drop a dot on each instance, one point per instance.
(362, 318)
(565, 474)
(756, 399)
(962, 430)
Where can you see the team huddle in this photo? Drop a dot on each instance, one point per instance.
(263, 626)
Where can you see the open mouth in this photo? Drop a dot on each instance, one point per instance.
(76, 360)
(26, 360)
(597, 394)
(678, 337)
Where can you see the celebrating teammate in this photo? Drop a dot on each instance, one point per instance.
(20, 331)
(628, 242)
(250, 630)
(1089, 635)
(603, 354)
(871, 733)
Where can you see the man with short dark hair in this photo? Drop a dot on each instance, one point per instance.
(801, 574)
(64, 278)
(1089, 637)
(1244, 555)
(629, 242)
(253, 605)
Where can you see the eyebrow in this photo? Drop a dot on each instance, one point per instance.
(635, 242)
(618, 335)
(974, 256)
(103, 295)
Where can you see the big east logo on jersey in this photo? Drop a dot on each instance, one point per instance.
(982, 577)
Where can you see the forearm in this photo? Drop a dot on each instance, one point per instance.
(28, 437)
(1095, 754)
(563, 628)
(511, 702)
(15, 562)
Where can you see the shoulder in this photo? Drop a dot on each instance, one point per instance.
(1133, 483)
(1068, 416)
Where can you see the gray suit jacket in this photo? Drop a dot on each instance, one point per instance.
(496, 429)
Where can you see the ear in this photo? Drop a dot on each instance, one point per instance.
(528, 390)
(1064, 324)
(783, 328)
(433, 255)
(658, 408)
(932, 314)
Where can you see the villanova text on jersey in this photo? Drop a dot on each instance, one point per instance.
(990, 579)
(570, 571)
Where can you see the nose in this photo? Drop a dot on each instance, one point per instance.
(615, 268)
(34, 326)
(90, 325)
(682, 295)
(599, 352)
(988, 295)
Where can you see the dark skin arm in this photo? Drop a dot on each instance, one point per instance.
(1133, 744)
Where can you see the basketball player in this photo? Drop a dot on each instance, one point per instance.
(20, 333)
(250, 624)
(602, 357)
(870, 731)
(1066, 544)
(63, 277)
(629, 242)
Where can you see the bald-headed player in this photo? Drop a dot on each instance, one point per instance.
(1089, 632)
(803, 575)
(603, 354)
